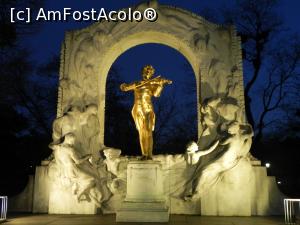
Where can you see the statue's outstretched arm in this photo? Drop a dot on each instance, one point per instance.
(209, 150)
(166, 81)
(228, 140)
(128, 87)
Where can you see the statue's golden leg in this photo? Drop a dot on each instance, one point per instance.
(146, 143)
(150, 145)
(143, 143)
(136, 118)
(144, 121)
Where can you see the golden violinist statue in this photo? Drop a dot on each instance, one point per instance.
(142, 111)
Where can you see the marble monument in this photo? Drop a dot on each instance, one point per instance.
(216, 176)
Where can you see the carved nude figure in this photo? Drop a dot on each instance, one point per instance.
(112, 160)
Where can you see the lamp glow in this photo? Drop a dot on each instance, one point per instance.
(268, 165)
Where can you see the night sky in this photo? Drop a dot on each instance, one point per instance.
(51, 35)
(47, 41)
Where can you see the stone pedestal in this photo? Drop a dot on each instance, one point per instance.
(245, 190)
(41, 190)
(63, 201)
(231, 196)
(145, 201)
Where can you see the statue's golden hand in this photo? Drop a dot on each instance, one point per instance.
(166, 81)
(169, 82)
(123, 87)
(163, 80)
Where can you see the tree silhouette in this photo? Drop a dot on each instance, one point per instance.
(270, 58)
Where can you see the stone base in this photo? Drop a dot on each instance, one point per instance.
(180, 206)
(245, 190)
(62, 201)
(143, 212)
(145, 201)
(144, 181)
(41, 190)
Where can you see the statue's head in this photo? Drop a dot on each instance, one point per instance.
(147, 72)
(191, 147)
(69, 138)
(111, 153)
(91, 109)
(233, 128)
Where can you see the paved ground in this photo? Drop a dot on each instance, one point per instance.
(45, 219)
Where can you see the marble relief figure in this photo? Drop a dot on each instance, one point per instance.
(230, 141)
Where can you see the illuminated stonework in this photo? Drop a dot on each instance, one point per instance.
(212, 50)
(217, 177)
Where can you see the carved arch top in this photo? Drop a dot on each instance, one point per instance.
(212, 50)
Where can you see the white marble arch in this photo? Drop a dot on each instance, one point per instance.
(223, 180)
(87, 54)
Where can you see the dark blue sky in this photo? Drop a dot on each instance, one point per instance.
(49, 39)
(167, 61)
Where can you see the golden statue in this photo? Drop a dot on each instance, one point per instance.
(142, 111)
